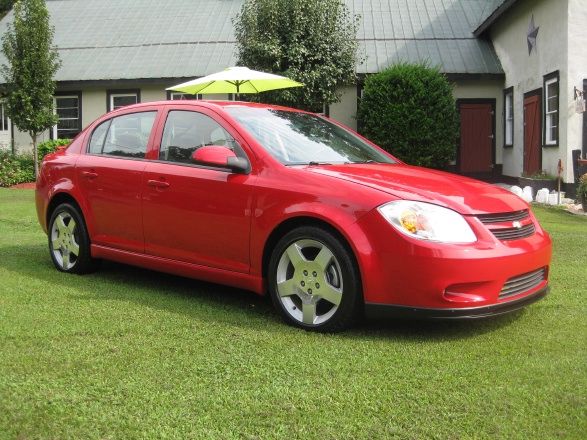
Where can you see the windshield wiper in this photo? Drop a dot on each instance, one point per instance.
(313, 163)
(361, 162)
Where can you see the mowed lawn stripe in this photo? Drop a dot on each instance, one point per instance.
(130, 353)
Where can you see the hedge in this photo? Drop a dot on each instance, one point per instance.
(409, 110)
(20, 168)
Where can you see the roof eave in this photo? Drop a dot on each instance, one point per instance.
(495, 15)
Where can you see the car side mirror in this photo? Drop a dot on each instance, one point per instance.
(222, 157)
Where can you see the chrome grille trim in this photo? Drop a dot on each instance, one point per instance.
(522, 283)
(514, 233)
(495, 224)
(503, 217)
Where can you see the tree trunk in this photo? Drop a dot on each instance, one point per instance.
(35, 154)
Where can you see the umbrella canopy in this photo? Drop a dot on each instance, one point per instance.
(236, 80)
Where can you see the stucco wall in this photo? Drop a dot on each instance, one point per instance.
(577, 72)
(23, 141)
(345, 111)
(525, 72)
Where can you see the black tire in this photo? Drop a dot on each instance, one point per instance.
(68, 238)
(341, 275)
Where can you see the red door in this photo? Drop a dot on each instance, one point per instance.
(476, 146)
(532, 132)
(112, 187)
(192, 213)
(110, 179)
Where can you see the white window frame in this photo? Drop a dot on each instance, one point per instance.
(122, 95)
(509, 118)
(179, 96)
(548, 114)
(54, 129)
(4, 119)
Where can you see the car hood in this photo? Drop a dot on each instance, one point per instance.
(464, 195)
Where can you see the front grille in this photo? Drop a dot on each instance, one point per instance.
(514, 233)
(488, 219)
(522, 283)
(501, 225)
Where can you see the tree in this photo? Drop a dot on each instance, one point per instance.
(310, 41)
(5, 6)
(32, 63)
(409, 110)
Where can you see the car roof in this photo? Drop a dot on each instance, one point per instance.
(205, 103)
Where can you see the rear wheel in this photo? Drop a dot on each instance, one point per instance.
(69, 243)
(314, 281)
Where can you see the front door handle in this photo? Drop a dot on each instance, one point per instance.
(158, 184)
(89, 174)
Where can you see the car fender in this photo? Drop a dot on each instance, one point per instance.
(343, 222)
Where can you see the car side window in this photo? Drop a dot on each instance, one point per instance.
(98, 137)
(186, 131)
(127, 136)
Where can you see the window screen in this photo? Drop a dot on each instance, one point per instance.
(118, 100)
(67, 109)
(551, 112)
(179, 96)
(509, 119)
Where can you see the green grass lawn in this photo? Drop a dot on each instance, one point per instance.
(129, 353)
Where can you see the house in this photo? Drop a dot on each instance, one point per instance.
(519, 67)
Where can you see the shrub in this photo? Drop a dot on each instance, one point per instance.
(409, 110)
(16, 168)
(20, 168)
(50, 146)
(582, 188)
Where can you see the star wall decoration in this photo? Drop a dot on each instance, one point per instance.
(531, 37)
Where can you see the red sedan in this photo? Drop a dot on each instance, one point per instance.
(282, 201)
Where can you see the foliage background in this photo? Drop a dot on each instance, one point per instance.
(20, 168)
(32, 62)
(310, 41)
(5, 6)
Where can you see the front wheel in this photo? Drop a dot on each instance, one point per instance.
(69, 243)
(314, 281)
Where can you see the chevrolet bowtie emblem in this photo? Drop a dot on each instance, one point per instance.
(517, 224)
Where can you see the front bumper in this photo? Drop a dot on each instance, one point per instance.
(387, 311)
(414, 274)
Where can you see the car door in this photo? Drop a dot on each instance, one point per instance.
(109, 175)
(194, 213)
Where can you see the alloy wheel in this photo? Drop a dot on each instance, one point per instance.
(309, 282)
(64, 241)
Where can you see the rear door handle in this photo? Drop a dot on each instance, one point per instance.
(158, 184)
(89, 174)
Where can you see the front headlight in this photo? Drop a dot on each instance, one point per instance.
(426, 221)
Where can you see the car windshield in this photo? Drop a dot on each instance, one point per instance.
(296, 138)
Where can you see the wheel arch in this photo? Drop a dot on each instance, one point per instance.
(294, 222)
(59, 198)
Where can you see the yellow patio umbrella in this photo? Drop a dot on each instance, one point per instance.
(235, 80)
